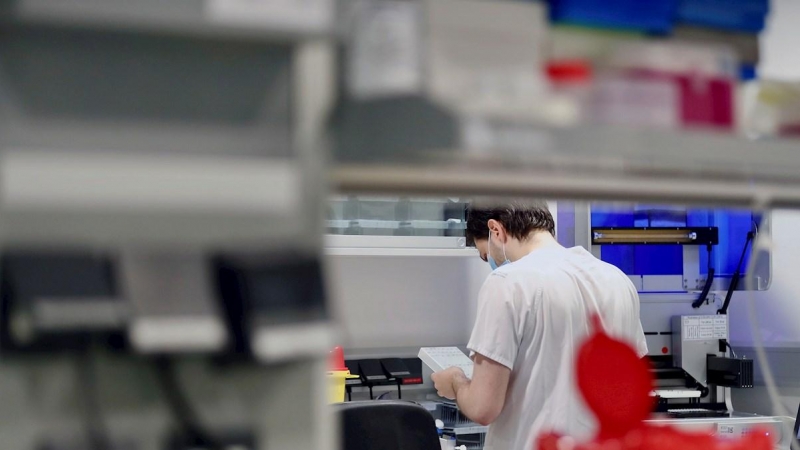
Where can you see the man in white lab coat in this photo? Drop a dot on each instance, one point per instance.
(533, 314)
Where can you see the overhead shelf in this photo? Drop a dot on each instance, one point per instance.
(281, 20)
(594, 163)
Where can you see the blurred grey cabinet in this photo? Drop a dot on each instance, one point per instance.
(160, 133)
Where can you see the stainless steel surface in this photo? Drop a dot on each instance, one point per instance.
(691, 268)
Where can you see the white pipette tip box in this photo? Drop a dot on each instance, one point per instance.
(440, 358)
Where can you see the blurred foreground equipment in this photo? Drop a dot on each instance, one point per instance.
(160, 202)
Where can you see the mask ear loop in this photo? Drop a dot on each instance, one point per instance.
(489, 248)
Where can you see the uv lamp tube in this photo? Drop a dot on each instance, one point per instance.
(686, 236)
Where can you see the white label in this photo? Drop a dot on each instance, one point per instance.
(720, 327)
(289, 15)
(386, 51)
(701, 328)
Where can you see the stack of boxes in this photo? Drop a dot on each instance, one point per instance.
(697, 49)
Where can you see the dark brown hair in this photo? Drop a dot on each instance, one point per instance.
(519, 217)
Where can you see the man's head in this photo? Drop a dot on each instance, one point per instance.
(513, 225)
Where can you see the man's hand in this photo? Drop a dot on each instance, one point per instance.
(481, 399)
(448, 381)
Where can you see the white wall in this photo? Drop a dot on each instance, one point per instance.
(780, 58)
(401, 303)
(778, 318)
(393, 305)
(779, 307)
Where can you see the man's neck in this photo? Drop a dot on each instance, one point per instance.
(535, 241)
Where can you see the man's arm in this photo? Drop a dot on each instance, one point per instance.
(482, 398)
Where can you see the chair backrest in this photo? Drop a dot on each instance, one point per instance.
(386, 425)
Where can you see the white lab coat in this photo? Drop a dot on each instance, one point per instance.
(533, 314)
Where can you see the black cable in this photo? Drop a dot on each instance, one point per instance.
(96, 432)
(709, 281)
(736, 275)
(733, 353)
(189, 424)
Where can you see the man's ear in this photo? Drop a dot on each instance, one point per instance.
(497, 230)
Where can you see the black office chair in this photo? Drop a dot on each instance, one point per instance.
(386, 425)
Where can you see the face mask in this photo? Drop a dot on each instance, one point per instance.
(492, 262)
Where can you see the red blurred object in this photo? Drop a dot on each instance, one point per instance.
(621, 402)
(705, 101)
(620, 399)
(789, 130)
(569, 71)
(336, 360)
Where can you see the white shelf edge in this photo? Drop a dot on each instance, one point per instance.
(471, 181)
(605, 163)
(403, 252)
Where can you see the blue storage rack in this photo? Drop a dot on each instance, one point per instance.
(659, 16)
(652, 16)
(736, 15)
